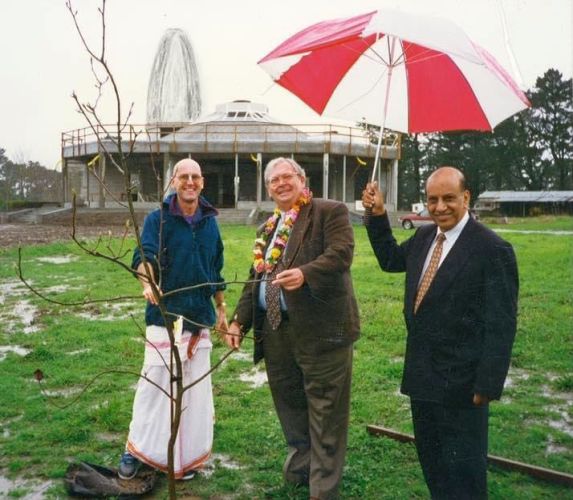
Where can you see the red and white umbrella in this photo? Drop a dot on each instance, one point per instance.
(404, 72)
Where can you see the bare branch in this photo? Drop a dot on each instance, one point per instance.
(92, 381)
(201, 285)
(74, 14)
(53, 301)
(82, 110)
(213, 368)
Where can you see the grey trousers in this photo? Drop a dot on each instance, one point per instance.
(311, 394)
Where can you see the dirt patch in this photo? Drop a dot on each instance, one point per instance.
(13, 235)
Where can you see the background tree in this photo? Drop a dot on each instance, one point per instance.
(551, 127)
(411, 170)
(532, 150)
(28, 181)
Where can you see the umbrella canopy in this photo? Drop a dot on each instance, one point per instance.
(405, 72)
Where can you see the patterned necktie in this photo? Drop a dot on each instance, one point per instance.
(273, 292)
(431, 270)
(273, 297)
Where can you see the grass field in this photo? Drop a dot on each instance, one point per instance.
(533, 422)
(541, 223)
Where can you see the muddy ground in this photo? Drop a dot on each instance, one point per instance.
(13, 235)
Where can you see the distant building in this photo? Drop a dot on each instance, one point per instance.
(232, 145)
(523, 203)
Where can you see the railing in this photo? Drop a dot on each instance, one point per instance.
(75, 142)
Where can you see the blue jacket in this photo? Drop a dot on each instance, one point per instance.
(188, 255)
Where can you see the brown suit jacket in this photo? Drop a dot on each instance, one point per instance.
(323, 311)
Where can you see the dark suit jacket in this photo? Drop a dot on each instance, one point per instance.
(459, 341)
(323, 311)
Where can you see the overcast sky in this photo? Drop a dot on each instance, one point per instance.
(43, 61)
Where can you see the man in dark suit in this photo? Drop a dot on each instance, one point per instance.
(460, 307)
(305, 318)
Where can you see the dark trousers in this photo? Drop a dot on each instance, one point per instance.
(452, 449)
(311, 393)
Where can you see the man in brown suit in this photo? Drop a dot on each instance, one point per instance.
(305, 319)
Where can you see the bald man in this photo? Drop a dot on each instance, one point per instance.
(182, 248)
(460, 308)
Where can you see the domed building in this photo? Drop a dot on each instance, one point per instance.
(232, 145)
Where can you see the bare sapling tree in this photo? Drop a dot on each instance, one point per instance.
(116, 151)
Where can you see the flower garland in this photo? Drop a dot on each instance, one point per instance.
(261, 264)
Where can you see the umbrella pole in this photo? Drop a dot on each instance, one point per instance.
(383, 127)
(368, 211)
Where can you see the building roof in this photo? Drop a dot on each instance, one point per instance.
(247, 127)
(236, 127)
(527, 196)
(239, 111)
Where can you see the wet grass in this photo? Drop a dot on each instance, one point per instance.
(533, 423)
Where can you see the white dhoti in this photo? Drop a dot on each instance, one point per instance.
(149, 430)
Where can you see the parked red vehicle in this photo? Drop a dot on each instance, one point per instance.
(415, 219)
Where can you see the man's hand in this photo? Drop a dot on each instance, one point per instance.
(373, 198)
(289, 279)
(480, 400)
(221, 325)
(149, 295)
(233, 336)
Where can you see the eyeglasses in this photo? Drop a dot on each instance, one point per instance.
(274, 181)
(186, 177)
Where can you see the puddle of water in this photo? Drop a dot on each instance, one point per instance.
(91, 317)
(79, 351)
(20, 351)
(69, 391)
(5, 424)
(255, 377)
(218, 460)
(120, 306)
(58, 259)
(35, 490)
(98, 406)
(9, 289)
(564, 424)
(242, 356)
(108, 437)
(115, 310)
(561, 398)
(57, 289)
(515, 376)
(21, 316)
(561, 403)
(554, 448)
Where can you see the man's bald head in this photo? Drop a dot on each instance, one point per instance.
(186, 162)
(448, 172)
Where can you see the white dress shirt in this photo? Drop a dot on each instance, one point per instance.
(451, 237)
